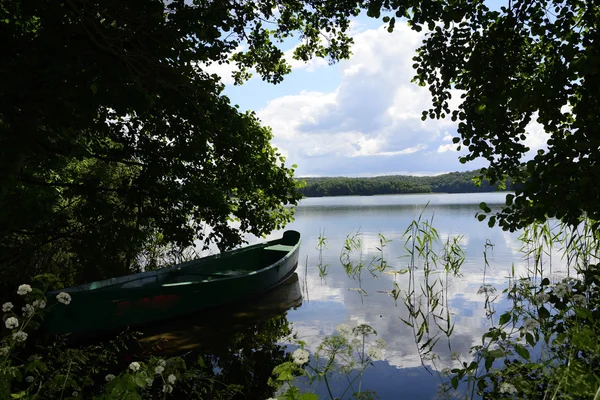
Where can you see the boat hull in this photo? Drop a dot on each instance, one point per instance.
(177, 290)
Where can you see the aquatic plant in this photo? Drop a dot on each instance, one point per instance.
(545, 345)
(345, 354)
(322, 245)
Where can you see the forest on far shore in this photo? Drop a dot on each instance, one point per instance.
(453, 182)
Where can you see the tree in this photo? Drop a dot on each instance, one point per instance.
(531, 60)
(114, 138)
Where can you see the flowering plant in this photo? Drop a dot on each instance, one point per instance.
(347, 352)
(545, 344)
(62, 371)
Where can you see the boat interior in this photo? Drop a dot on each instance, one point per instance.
(238, 262)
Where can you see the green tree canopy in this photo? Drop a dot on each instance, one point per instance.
(531, 60)
(453, 182)
(113, 136)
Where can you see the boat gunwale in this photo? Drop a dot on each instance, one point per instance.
(178, 268)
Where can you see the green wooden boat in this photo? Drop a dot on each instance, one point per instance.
(175, 290)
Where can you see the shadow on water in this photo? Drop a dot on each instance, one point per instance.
(215, 328)
(230, 351)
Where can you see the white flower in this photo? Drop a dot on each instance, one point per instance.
(579, 300)
(28, 310)
(64, 298)
(149, 381)
(109, 377)
(507, 388)
(20, 336)
(455, 356)
(562, 289)
(344, 330)
(541, 298)
(375, 353)
(167, 389)
(75, 393)
(172, 378)
(159, 370)
(380, 343)
(23, 290)
(446, 372)
(29, 379)
(4, 351)
(39, 304)
(12, 323)
(134, 366)
(530, 324)
(161, 363)
(6, 307)
(345, 369)
(300, 356)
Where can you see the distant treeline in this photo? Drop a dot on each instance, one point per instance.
(453, 182)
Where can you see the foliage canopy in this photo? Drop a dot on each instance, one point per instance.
(114, 139)
(453, 182)
(531, 60)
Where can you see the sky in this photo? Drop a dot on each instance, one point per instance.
(360, 117)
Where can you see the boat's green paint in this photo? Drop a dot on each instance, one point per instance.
(175, 290)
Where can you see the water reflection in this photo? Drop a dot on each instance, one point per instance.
(216, 328)
(454, 307)
(461, 314)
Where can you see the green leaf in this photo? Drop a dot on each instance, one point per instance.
(543, 312)
(522, 351)
(496, 353)
(454, 382)
(285, 375)
(505, 318)
(481, 384)
(489, 361)
(140, 380)
(545, 282)
(308, 396)
(509, 199)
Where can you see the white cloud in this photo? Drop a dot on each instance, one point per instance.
(370, 124)
(311, 65)
(375, 112)
(224, 70)
(447, 147)
(369, 151)
(536, 136)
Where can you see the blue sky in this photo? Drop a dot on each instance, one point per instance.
(360, 117)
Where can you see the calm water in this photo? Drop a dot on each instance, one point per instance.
(335, 299)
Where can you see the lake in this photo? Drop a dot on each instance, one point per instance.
(410, 367)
